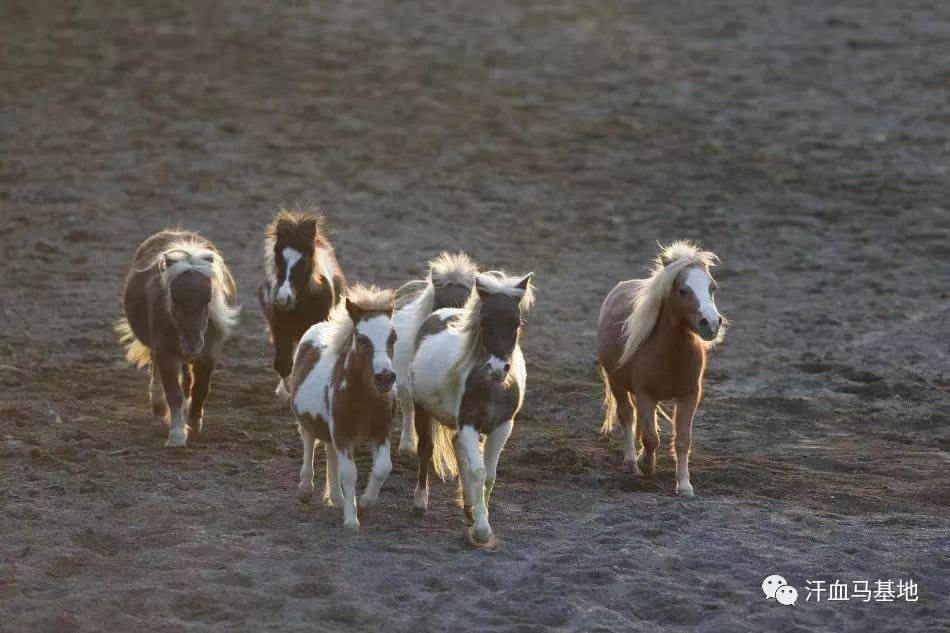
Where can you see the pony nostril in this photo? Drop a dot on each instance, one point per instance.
(704, 322)
(720, 320)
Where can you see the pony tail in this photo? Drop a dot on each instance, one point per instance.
(136, 353)
(444, 461)
(610, 406)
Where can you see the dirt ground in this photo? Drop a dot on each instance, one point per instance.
(802, 141)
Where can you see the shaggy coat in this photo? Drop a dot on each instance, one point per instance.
(180, 306)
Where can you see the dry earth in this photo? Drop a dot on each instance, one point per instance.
(805, 142)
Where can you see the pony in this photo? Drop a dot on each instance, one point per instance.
(341, 391)
(302, 283)
(652, 339)
(180, 306)
(468, 379)
(448, 284)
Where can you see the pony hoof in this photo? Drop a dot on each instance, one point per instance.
(469, 514)
(305, 493)
(481, 535)
(645, 465)
(407, 448)
(335, 502)
(367, 502)
(353, 525)
(685, 490)
(195, 425)
(281, 392)
(176, 440)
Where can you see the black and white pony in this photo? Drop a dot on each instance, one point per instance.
(468, 380)
(448, 285)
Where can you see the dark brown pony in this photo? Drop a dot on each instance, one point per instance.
(303, 282)
(652, 340)
(342, 395)
(179, 305)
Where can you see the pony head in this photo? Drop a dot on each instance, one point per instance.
(494, 314)
(371, 311)
(192, 276)
(290, 248)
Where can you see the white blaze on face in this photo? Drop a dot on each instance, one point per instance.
(698, 280)
(285, 292)
(377, 330)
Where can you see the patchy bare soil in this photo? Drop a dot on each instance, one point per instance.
(804, 142)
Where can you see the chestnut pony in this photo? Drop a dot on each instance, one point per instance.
(179, 305)
(652, 339)
(302, 283)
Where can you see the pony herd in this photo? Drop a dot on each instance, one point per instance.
(441, 352)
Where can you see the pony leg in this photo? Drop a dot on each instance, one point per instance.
(283, 364)
(646, 429)
(685, 410)
(493, 447)
(628, 420)
(169, 369)
(332, 493)
(202, 385)
(305, 489)
(425, 448)
(156, 392)
(382, 465)
(473, 478)
(408, 438)
(346, 471)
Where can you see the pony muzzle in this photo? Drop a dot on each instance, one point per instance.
(384, 380)
(497, 369)
(708, 330)
(284, 300)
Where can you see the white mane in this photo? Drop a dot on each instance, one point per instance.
(190, 255)
(449, 268)
(649, 294)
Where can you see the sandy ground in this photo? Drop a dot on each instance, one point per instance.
(805, 143)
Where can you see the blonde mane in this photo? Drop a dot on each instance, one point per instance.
(194, 255)
(339, 324)
(649, 294)
(452, 268)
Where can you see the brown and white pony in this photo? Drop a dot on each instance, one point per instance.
(448, 285)
(180, 307)
(303, 282)
(342, 395)
(652, 340)
(468, 380)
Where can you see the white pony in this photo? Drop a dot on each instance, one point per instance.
(468, 379)
(447, 285)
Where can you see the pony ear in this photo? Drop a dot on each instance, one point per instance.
(353, 310)
(523, 284)
(309, 227)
